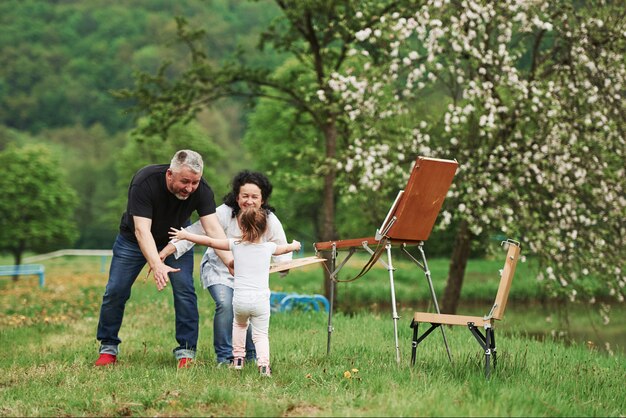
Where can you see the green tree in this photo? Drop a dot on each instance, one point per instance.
(294, 169)
(86, 156)
(37, 204)
(318, 35)
(297, 184)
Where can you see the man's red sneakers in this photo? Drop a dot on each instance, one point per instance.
(185, 363)
(106, 359)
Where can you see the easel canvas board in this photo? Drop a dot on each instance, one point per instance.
(423, 196)
(295, 263)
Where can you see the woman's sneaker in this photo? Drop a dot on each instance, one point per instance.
(265, 371)
(238, 363)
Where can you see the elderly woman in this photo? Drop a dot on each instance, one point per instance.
(248, 189)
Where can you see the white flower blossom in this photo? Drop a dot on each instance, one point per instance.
(362, 35)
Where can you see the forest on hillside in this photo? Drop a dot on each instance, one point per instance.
(60, 62)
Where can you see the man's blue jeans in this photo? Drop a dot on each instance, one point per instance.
(126, 264)
(223, 325)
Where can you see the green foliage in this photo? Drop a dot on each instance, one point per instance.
(37, 203)
(286, 146)
(84, 157)
(85, 154)
(286, 152)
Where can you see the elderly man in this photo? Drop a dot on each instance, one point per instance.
(159, 197)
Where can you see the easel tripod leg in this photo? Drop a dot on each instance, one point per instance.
(332, 302)
(434, 298)
(330, 315)
(393, 302)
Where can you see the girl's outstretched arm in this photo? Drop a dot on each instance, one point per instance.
(218, 244)
(287, 248)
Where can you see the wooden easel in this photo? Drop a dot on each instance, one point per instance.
(409, 222)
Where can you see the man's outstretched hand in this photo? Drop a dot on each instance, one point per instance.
(161, 275)
(168, 250)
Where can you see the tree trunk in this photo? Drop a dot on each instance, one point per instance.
(17, 258)
(456, 272)
(328, 231)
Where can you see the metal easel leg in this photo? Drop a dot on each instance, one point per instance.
(434, 297)
(333, 261)
(393, 302)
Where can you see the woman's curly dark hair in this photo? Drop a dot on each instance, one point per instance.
(249, 177)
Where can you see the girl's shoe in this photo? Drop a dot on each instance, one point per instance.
(238, 363)
(265, 371)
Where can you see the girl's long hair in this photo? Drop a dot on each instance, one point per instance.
(253, 223)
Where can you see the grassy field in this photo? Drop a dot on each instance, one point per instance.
(49, 346)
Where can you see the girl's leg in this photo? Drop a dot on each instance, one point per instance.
(240, 328)
(260, 323)
(223, 325)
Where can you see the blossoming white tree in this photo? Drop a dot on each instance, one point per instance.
(535, 116)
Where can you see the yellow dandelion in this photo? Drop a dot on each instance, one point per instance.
(347, 374)
(355, 370)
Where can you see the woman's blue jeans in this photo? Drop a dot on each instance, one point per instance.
(223, 325)
(126, 264)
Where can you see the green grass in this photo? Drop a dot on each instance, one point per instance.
(51, 374)
(48, 340)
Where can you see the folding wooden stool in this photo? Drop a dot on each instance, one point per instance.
(488, 340)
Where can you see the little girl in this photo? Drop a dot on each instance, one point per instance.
(251, 297)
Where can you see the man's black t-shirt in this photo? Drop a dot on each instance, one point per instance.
(149, 197)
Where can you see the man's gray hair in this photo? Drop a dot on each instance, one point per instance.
(189, 158)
